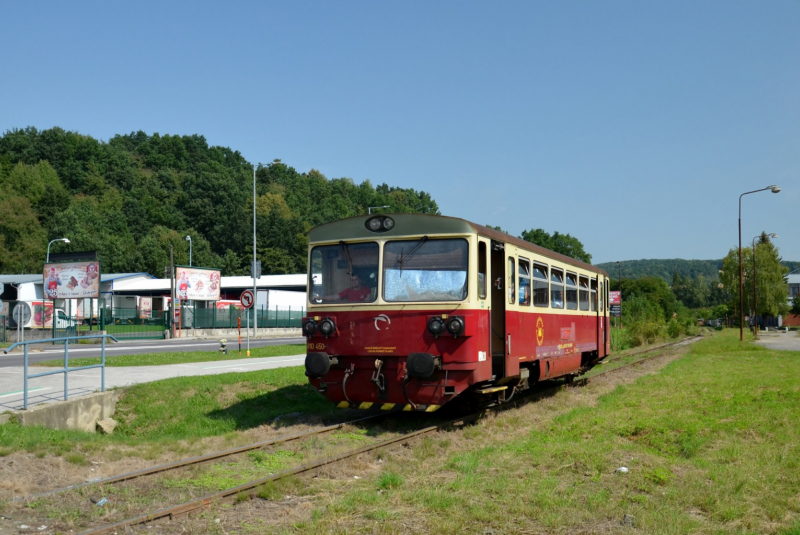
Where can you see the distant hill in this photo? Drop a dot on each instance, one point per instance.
(636, 269)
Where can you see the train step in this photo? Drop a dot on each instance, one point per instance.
(491, 389)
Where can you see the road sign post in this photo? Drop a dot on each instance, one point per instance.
(247, 300)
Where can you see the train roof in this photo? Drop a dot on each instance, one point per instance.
(421, 224)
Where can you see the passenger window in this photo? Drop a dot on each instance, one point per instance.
(556, 288)
(481, 270)
(524, 282)
(540, 286)
(511, 281)
(584, 293)
(572, 291)
(593, 295)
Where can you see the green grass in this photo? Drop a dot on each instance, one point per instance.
(154, 416)
(711, 442)
(157, 359)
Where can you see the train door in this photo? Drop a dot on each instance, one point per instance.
(597, 293)
(498, 299)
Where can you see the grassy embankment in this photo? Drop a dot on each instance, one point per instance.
(711, 442)
(159, 415)
(182, 357)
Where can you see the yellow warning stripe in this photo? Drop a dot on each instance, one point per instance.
(388, 406)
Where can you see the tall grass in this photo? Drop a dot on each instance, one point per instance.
(711, 445)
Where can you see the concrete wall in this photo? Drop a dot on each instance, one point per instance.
(44, 334)
(80, 414)
(233, 334)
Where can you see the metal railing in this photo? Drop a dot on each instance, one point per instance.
(66, 369)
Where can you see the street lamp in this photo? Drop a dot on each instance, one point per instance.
(773, 189)
(65, 240)
(369, 210)
(755, 292)
(619, 274)
(189, 239)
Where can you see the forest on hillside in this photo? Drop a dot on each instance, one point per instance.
(133, 196)
(667, 268)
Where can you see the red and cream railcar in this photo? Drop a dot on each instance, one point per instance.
(408, 312)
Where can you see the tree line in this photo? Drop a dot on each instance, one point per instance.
(133, 196)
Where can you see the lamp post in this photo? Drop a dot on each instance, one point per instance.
(189, 239)
(755, 291)
(255, 288)
(369, 210)
(65, 240)
(619, 274)
(773, 189)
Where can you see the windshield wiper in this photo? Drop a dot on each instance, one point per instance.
(346, 254)
(405, 257)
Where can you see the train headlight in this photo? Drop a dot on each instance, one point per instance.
(309, 327)
(455, 325)
(380, 223)
(436, 326)
(327, 327)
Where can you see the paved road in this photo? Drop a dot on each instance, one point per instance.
(51, 388)
(781, 341)
(41, 352)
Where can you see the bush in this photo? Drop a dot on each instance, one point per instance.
(673, 329)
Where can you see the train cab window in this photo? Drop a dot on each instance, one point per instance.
(511, 281)
(524, 282)
(540, 286)
(593, 295)
(346, 272)
(572, 291)
(583, 294)
(481, 270)
(425, 270)
(556, 288)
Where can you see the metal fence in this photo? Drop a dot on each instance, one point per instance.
(194, 317)
(130, 324)
(62, 321)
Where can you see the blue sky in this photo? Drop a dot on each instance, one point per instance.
(633, 126)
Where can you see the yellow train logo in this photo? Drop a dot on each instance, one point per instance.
(539, 331)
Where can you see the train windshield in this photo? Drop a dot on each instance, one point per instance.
(347, 272)
(425, 270)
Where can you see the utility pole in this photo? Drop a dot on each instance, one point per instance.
(172, 292)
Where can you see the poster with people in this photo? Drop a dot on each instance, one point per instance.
(197, 284)
(72, 280)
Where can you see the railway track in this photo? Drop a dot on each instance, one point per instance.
(251, 487)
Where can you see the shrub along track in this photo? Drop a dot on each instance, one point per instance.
(250, 488)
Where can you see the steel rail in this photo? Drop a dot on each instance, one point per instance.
(197, 460)
(193, 505)
(241, 449)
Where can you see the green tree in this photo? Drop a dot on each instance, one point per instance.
(560, 243)
(795, 305)
(772, 287)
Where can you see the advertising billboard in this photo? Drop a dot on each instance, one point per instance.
(614, 298)
(197, 284)
(72, 280)
(145, 307)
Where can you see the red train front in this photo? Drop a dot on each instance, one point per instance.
(406, 312)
